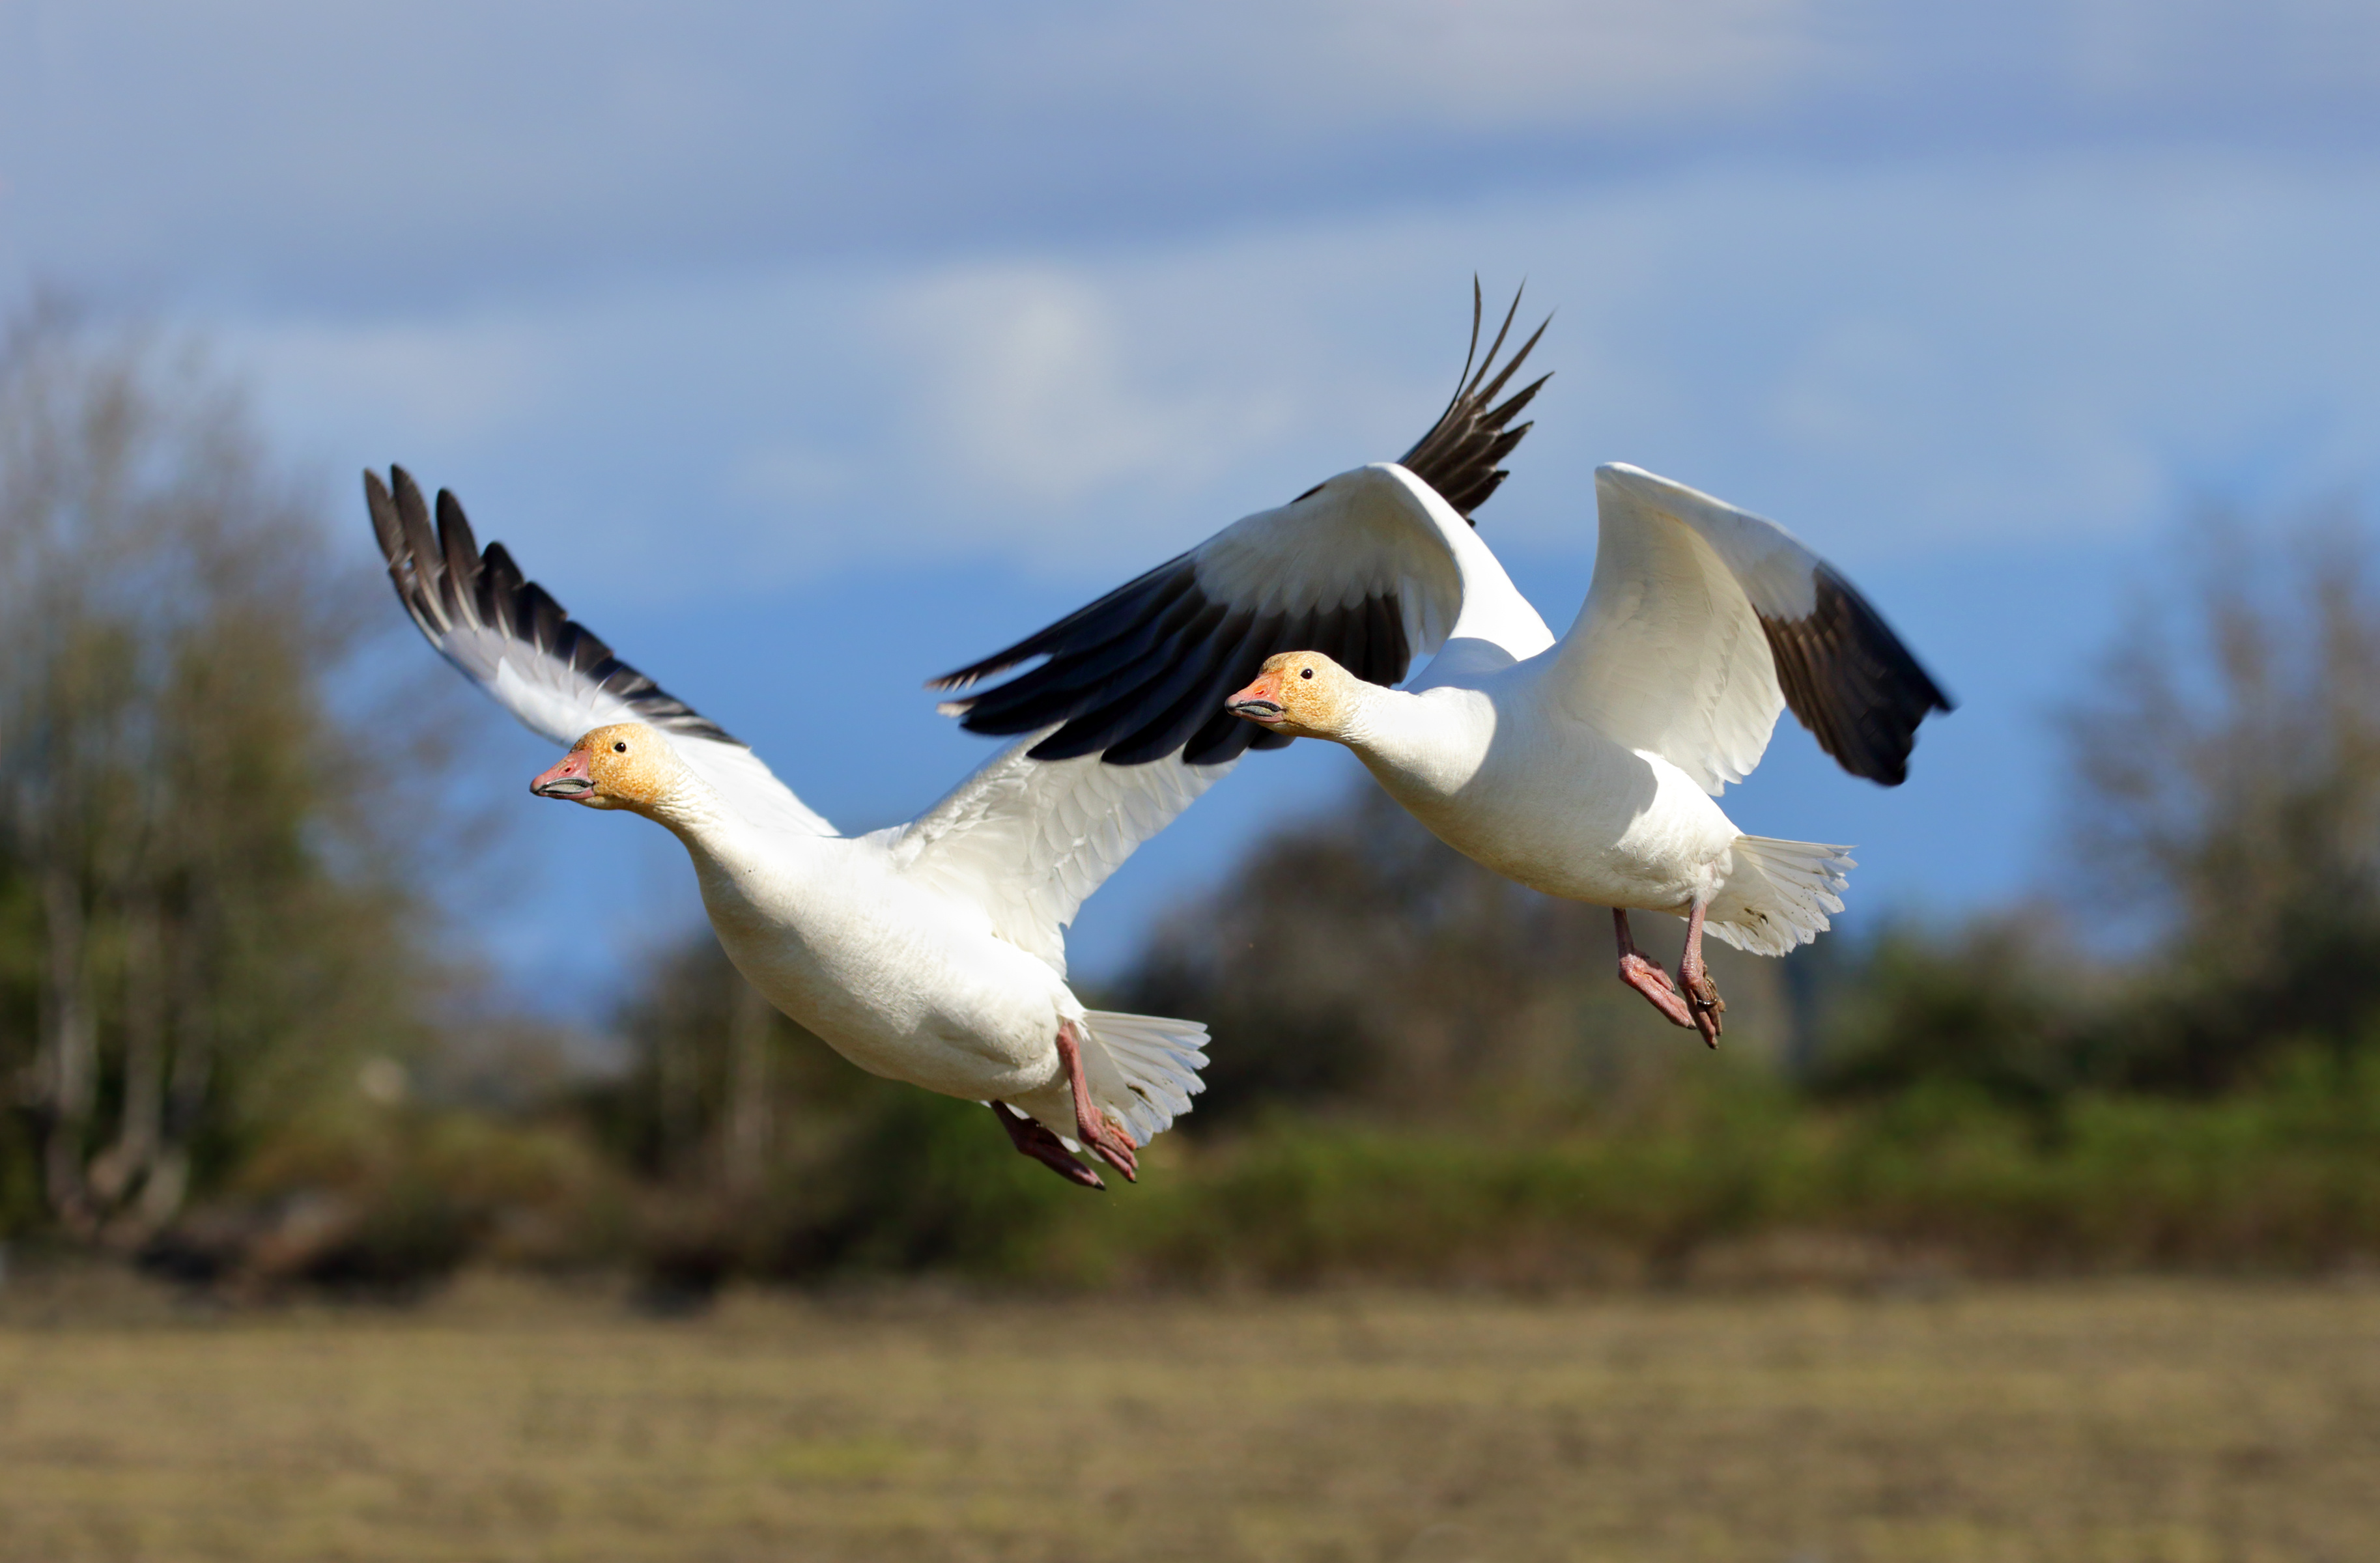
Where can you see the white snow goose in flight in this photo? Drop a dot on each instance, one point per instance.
(1585, 767)
(933, 952)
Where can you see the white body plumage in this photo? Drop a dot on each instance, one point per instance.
(931, 953)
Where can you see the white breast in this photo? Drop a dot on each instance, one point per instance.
(901, 981)
(1544, 800)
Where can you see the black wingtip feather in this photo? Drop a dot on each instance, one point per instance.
(1847, 678)
(1460, 455)
(1107, 655)
(1123, 604)
(444, 582)
(386, 527)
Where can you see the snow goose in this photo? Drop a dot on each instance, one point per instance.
(933, 952)
(1585, 767)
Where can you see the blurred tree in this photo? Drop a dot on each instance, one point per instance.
(675, 1113)
(202, 925)
(2227, 796)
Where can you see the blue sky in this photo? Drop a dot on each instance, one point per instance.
(806, 351)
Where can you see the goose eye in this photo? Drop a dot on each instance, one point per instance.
(619, 745)
(1306, 673)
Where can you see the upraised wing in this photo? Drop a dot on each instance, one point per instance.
(1360, 567)
(508, 636)
(1703, 621)
(1032, 839)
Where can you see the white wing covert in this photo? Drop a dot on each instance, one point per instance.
(1703, 621)
(1031, 840)
(507, 635)
(1373, 568)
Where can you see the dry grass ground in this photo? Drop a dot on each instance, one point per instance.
(2142, 1421)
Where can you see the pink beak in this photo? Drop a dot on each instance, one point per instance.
(572, 778)
(1258, 703)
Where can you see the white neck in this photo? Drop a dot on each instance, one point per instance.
(692, 811)
(1420, 745)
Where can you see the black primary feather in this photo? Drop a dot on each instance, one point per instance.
(448, 587)
(1848, 679)
(1457, 457)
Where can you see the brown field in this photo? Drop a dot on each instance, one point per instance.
(2143, 1420)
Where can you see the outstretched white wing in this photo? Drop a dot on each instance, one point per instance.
(1705, 621)
(509, 637)
(1031, 840)
(1374, 568)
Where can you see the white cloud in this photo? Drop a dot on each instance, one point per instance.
(2217, 52)
(474, 376)
(1336, 71)
(1649, 63)
(1034, 397)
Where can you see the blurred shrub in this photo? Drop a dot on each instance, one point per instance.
(1911, 1156)
(1729, 1173)
(2279, 1178)
(1995, 1005)
(386, 1199)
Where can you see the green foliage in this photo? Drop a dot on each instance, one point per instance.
(2276, 1179)
(925, 1183)
(1733, 1179)
(1991, 1006)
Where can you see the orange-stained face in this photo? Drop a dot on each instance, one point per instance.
(1303, 694)
(626, 765)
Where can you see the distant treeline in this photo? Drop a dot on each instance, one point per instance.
(238, 1048)
(203, 924)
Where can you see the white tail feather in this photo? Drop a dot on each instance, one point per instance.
(1778, 894)
(1143, 1067)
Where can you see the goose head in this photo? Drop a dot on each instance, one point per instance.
(1303, 694)
(626, 765)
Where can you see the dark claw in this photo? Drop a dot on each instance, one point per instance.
(1114, 1147)
(1704, 1004)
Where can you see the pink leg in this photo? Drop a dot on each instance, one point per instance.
(1031, 1139)
(1100, 1132)
(1647, 976)
(1701, 994)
